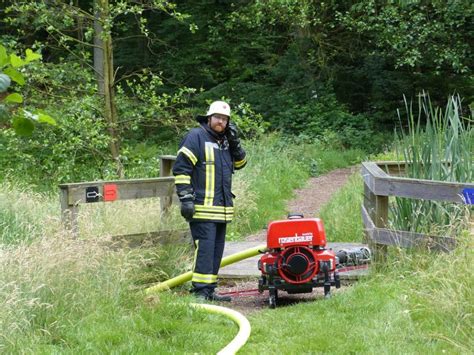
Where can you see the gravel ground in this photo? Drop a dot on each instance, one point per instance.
(307, 201)
(247, 300)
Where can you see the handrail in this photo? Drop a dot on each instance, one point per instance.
(378, 186)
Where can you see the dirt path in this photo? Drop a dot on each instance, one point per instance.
(307, 201)
(317, 192)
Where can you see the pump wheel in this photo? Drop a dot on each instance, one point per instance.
(272, 301)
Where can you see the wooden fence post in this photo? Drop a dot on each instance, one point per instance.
(377, 207)
(68, 213)
(166, 165)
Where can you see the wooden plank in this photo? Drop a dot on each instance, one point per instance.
(404, 239)
(382, 184)
(371, 173)
(366, 219)
(421, 189)
(412, 240)
(398, 168)
(126, 189)
(393, 168)
(116, 182)
(181, 236)
(166, 164)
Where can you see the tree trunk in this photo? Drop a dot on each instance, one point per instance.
(106, 71)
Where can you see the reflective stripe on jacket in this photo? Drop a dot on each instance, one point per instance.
(204, 165)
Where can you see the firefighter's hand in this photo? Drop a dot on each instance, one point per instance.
(187, 209)
(232, 136)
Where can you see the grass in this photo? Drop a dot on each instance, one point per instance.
(60, 295)
(68, 296)
(275, 168)
(341, 215)
(412, 307)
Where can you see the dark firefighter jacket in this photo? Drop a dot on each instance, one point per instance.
(204, 166)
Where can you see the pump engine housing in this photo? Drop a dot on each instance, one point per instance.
(297, 259)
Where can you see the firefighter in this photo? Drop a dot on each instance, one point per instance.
(206, 160)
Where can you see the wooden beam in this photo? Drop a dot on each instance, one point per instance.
(382, 184)
(126, 189)
(181, 236)
(404, 239)
(166, 165)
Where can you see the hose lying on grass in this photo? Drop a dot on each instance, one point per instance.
(244, 326)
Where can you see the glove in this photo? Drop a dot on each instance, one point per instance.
(235, 148)
(187, 209)
(232, 136)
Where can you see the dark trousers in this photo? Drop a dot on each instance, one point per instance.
(209, 240)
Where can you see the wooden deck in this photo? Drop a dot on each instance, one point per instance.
(247, 268)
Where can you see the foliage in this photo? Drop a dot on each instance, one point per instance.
(22, 119)
(417, 34)
(442, 150)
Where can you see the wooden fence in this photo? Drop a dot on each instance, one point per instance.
(75, 194)
(382, 180)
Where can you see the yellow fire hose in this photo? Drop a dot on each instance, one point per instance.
(178, 280)
(244, 326)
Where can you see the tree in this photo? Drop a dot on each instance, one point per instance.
(81, 26)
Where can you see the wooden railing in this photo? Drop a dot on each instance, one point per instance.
(379, 185)
(75, 194)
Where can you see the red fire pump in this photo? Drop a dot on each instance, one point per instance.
(297, 259)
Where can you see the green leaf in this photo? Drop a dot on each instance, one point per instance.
(16, 61)
(3, 56)
(13, 98)
(30, 55)
(23, 126)
(15, 75)
(45, 118)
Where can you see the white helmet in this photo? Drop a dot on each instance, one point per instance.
(220, 107)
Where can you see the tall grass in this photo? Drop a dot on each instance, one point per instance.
(437, 145)
(70, 296)
(25, 214)
(341, 215)
(276, 166)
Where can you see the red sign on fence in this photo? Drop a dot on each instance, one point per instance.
(110, 192)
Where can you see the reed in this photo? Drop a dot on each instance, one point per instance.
(438, 145)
